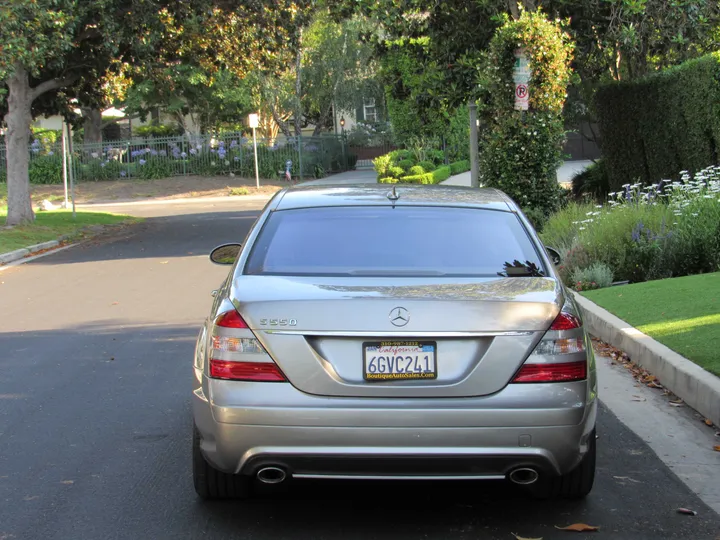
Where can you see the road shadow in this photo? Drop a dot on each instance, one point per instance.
(159, 237)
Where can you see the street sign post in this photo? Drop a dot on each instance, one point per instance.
(254, 122)
(521, 78)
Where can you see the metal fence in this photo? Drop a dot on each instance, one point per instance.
(203, 155)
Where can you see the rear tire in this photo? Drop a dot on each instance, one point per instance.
(577, 484)
(211, 483)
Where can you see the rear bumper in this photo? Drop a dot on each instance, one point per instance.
(330, 437)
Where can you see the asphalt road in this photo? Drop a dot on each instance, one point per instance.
(95, 367)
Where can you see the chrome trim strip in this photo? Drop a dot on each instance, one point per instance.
(395, 333)
(398, 477)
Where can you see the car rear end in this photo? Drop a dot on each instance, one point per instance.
(420, 338)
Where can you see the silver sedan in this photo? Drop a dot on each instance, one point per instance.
(375, 333)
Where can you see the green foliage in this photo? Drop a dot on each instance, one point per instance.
(46, 170)
(406, 163)
(643, 234)
(419, 114)
(460, 166)
(596, 276)
(659, 125)
(438, 175)
(520, 151)
(156, 130)
(396, 172)
(415, 170)
(388, 180)
(428, 166)
(235, 191)
(592, 181)
(399, 155)
(382, 164)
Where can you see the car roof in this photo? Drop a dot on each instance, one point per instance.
(312, 196)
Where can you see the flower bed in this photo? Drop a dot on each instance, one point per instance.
(664, 230)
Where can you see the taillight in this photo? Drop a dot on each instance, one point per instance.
(230, 319)
(556, 358)
(565, 372)
(246, 371)
(565, 321)
(237, 355)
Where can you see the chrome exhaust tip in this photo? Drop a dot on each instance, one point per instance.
(271, 475)
(523, 476)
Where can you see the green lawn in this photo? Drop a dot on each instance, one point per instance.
(682, 313)
(52, 225)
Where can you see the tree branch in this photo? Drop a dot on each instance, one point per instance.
(52, 84)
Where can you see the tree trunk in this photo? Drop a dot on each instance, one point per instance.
(92, 125)
(18, 119)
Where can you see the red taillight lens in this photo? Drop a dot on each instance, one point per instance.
(246, 371)
(563, 372)
(230, 319)
(565, 321)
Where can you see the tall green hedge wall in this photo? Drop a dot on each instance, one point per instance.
(658, 126)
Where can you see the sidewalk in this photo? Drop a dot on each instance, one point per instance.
(565, 174)
(360, 176)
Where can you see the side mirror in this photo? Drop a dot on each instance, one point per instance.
(225, 254)
(555, 256)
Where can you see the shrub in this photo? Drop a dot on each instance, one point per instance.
(396, 172)
(435, 177)
(654, 127)
(592, 181)
(156, 130)
(415, 170)
(46, 170)
(399, 155)
(521, 150)
(406, 164)
(436, 156)
(597, 276)
(381, 164)
(242, 190)
(388, 180)
(441, 174)
(428, 166)
(460, 166)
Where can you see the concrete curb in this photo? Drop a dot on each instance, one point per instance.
(24, 252)
(700, 389)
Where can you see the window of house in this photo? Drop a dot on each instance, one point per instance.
(370, 111)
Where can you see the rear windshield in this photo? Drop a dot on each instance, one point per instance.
(404, 241)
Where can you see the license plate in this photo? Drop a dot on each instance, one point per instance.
(399, 360)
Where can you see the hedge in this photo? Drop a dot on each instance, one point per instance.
(667, 122)
(460, 166)
(438, 175)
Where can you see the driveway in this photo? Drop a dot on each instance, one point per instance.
(96, 345)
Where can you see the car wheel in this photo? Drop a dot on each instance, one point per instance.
(211, 483)
(576, 484)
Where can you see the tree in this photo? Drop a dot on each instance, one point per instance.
(211, 100)
(521, 150)
(49, 45)
(331, 68)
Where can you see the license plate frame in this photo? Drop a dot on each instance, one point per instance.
(402, 375)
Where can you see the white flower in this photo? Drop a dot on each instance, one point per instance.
(581, 228)
(94, 154)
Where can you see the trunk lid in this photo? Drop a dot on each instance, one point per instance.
(480, 330)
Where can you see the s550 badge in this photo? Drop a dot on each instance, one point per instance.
(278, 322)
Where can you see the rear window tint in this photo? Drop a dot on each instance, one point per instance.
(404, 241)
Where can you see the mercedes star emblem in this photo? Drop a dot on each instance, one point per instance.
(399, 316)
